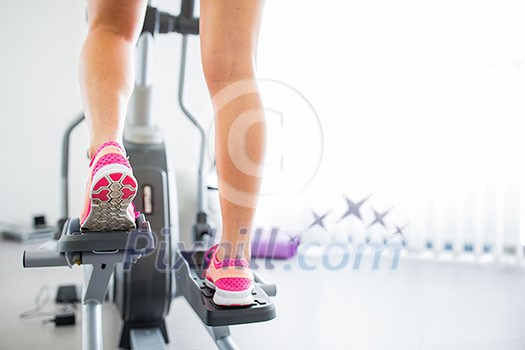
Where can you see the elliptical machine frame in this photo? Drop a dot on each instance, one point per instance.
(143, 292)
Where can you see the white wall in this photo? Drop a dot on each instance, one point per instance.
(415, 99)
(40, 46)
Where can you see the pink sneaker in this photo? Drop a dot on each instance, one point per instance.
(110, 191)
(232, 280)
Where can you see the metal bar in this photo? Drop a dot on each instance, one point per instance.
(269, 288)
(144, 48)
(194, 121)
(140, 125)
(65, 164)
(140, 111)
(43, 258)
(187, 8)
(221, 336)
(99, 273)
(147, 338)
(92, 326)
(226, 343)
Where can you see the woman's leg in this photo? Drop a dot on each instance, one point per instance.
(106, 80)
(229, 30)
(106, 68)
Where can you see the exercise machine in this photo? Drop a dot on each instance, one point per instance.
(101, 252)
(147, 267)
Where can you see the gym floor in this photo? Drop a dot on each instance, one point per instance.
(421, 305)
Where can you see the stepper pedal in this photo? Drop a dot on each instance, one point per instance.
(139, 240)
(190, 284)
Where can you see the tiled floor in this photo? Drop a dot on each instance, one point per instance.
(421, 305)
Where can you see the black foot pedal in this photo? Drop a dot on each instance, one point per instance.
(190, 284)
(139, 240)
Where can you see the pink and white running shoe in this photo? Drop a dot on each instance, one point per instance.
(110, 191)
(231, 279)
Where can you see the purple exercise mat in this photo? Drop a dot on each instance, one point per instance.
(274, 245)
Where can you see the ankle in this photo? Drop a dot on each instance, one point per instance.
(224, 252)
(95, 145)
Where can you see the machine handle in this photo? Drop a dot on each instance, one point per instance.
(187, 8)
(43, 258)
(163, 22)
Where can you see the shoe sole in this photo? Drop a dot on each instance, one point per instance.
(113, 189)
(228, 298)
